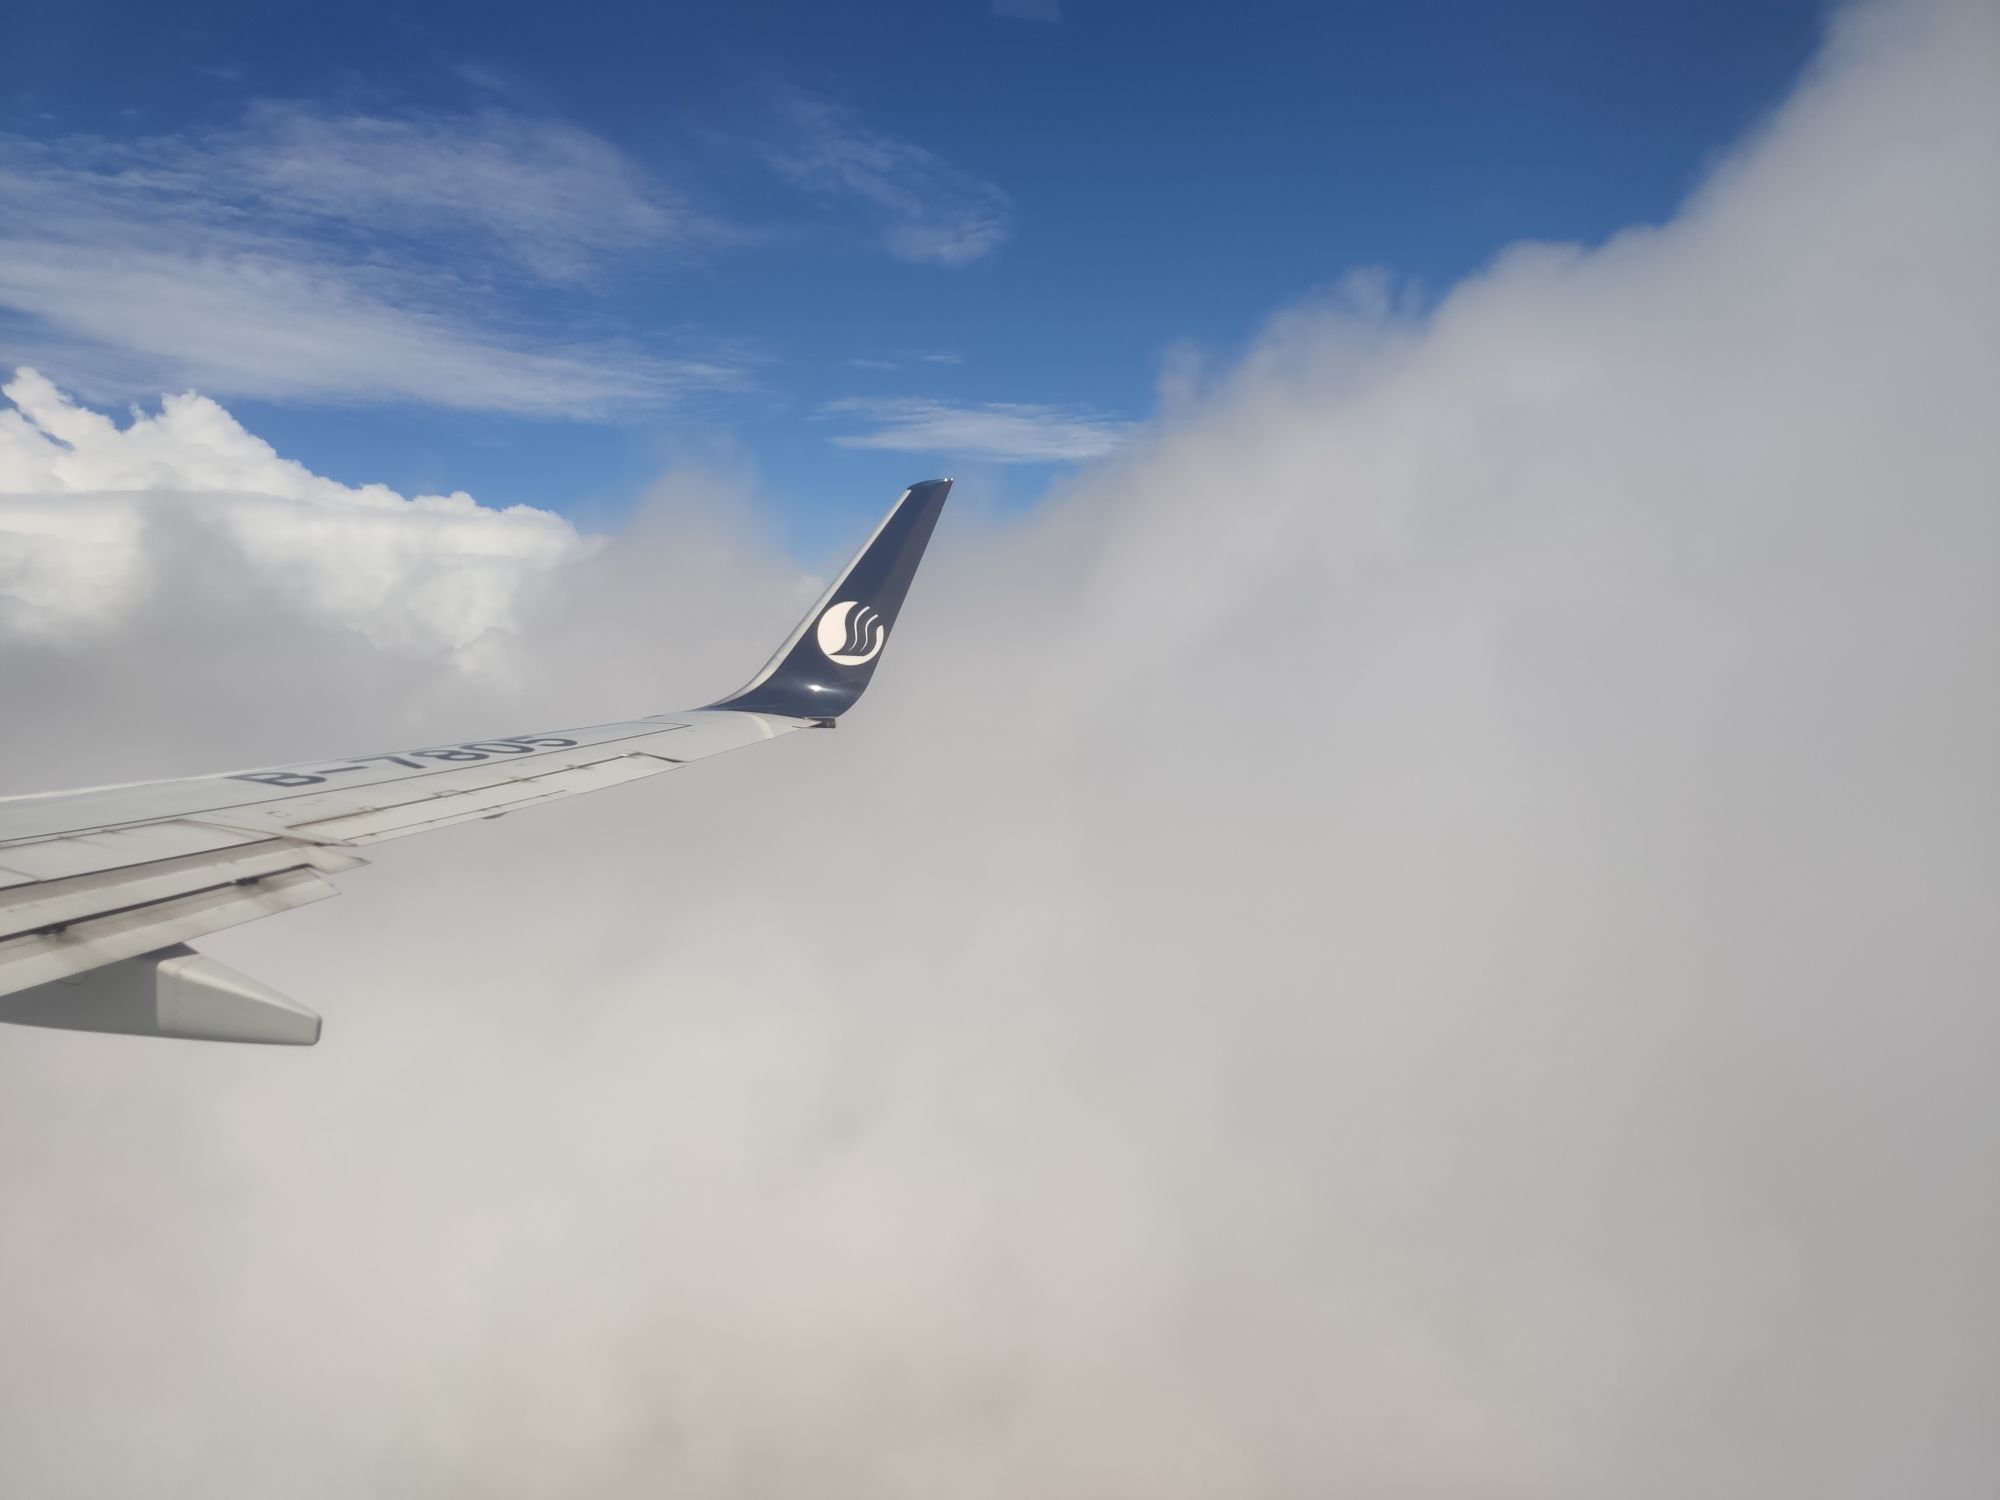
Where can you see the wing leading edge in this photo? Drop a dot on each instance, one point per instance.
(101, 889)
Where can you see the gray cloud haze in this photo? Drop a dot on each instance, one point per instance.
(1427, 929)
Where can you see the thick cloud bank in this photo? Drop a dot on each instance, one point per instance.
(78, 492)
(1427, 931)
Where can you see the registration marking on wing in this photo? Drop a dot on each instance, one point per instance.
(361, 770)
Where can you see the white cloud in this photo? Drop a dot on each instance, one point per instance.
(555, 197)
(77, 493)
(252, 324)
(1428, 932)
(997, 432)
(879, 362)
(334, 257)
(928, 211)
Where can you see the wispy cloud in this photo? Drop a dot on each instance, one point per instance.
(335, 256)
(997, 432)
(554, 197)
(898, 362)
(927, 210)
(285, 329)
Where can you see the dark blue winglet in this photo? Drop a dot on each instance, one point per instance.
(825, 664)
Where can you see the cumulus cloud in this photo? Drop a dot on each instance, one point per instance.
(1425, 930)
(79, 494)
(929, 211)
(997, 432)
(308, 254)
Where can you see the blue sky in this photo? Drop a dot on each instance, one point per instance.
(540, 253)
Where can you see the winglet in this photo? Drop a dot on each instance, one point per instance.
(826, 662)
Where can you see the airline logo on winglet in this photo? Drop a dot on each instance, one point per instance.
(851, 633)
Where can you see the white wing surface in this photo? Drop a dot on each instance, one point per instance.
(100, 890)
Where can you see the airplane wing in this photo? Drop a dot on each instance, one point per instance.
(101, 890)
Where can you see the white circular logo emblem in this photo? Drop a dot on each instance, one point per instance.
(851, 633)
